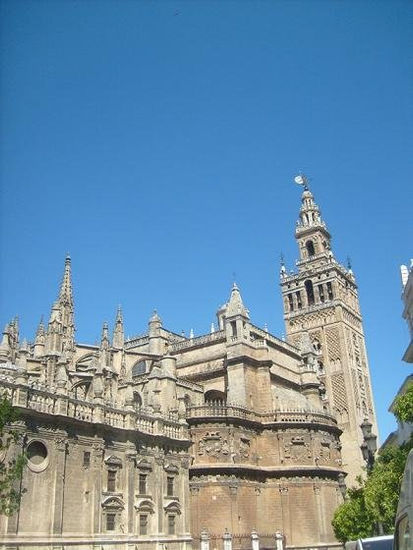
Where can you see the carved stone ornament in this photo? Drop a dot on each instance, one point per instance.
(113, 503)
(244, 447)
(61, 444)
(171, 468)
(297, 449)
(143, 464)
(213, 444)
(145, 505)
(113, 461)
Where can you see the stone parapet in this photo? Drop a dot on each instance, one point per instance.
(282, 416)
(218, 336)
(143, 420)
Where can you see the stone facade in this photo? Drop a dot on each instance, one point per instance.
(146, 442)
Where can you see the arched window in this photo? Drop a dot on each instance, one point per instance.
(316, 344)
(310, 292)
(215, 397)
(310, 248)
(139, 368)
(330, 291)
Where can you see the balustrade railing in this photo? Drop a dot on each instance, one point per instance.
(141, 419)
(188, 384)
(219, 335)
(270, 338)
(236, 411)
(135, 340)
(41, 402)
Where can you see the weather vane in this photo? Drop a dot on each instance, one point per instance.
(301, 179)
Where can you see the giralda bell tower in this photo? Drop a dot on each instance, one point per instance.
(321, 298)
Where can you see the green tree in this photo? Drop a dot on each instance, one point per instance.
(403, 405)
(374, 502)
(11, 469)
(352, 520)
(382, 487)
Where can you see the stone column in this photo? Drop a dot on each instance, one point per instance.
(130, 494)
(204, 540)
(159, 473)
(255, 540)
(279, 540)
(98, 449)
(227, 537)
(61, 450)
(285, 510)
(320, 513)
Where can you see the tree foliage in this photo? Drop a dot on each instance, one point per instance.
(374, 502)
(11, 469)
(403, 405)
(351, 520)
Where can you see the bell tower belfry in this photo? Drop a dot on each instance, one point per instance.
(321, 298)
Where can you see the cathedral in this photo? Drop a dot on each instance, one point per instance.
(164, 441)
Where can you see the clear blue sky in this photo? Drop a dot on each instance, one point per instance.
(157, 143)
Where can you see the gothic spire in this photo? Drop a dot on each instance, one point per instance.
(40, 339)
(5, 344)
(40, 328)
(61, 328)
(118, 333)
(66, 293)
(235, 304)
(104, 341)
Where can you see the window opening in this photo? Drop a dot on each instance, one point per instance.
(110, 522)
(299, 302)
(139, 368)
(310, 248)
(310, 292)
(143, 524)
(170, 486)
(86, 459)
(330, 291)
(142, 484)
(112, 480)
(171, 525)
(290, 302)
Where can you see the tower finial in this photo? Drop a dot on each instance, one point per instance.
(119, 316)
(282, 266)
(104, 340)
(301, 179)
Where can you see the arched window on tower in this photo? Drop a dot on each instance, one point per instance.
(310, 292)
(310, 248)
(330, 291)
